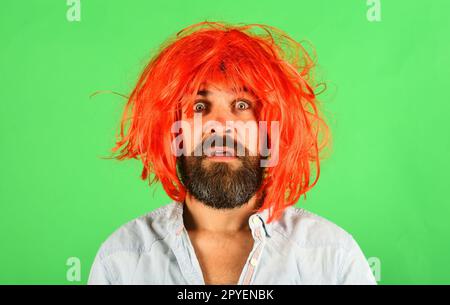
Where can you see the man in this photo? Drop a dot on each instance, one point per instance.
(232, 219)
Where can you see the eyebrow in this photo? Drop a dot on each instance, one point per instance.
(203, 92)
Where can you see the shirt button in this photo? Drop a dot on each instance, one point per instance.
(253, 262)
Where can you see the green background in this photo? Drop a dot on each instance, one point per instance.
(386, 181)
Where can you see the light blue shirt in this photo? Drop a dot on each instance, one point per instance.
(299, 248)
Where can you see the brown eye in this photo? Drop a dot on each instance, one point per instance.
(199, 107)
(242, 105)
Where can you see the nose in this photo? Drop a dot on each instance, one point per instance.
(217, 128)
(217, 124)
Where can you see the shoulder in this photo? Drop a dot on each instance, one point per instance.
(139, 234)
(311, 230)
(330, 245)
(119, 254)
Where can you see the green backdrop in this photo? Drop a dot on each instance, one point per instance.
(386, 181)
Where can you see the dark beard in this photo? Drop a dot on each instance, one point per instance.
(219, 185)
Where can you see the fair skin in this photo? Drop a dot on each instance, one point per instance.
(222, 239)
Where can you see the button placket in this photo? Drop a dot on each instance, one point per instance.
(256, 226)
(252, 264)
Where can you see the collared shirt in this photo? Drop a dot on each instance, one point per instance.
(299, 248)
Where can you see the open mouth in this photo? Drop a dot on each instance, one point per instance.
(222, 153)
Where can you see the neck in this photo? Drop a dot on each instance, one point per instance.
(198, 216)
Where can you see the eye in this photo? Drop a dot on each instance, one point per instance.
(199, 107)
(242, 105)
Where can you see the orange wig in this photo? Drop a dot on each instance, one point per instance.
(276, 68)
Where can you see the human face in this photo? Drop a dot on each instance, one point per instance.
(226, 113)
(221, 177)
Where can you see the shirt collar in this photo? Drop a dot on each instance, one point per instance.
(264, 215)
(176, 223)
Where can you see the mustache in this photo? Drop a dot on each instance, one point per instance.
(221, 141)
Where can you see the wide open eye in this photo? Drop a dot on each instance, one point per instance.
(242, 105)
(199, 107)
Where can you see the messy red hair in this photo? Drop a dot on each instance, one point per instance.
(276, 68)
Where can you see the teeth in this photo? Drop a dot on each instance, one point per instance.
(221, 153)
